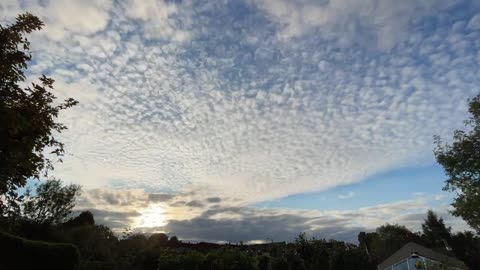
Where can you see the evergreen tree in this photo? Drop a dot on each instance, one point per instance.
(435, 232)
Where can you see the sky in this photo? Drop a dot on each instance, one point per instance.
(248, 120)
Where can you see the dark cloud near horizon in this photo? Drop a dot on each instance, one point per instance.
(214, 199)
(160, 197)
(194, 203)
(114, 197)
(248, 224)
(235, 224)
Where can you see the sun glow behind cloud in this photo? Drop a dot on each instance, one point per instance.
(152, 216)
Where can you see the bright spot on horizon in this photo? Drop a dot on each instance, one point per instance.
(151, 217)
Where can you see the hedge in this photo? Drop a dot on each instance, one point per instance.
(20, 253)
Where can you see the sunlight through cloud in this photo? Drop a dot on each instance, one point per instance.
(151, 217)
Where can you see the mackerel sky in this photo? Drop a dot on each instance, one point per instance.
(229, 117)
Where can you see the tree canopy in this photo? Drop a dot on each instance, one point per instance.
(461, 163)
(385, 240)
(28, 113)
(435, 232)
(51, 203)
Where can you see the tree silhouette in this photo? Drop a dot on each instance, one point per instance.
(466, 246)
(84, 218)
(385, 241)
(435, 233)
(461, 163)
(51, 203)
(28, 115)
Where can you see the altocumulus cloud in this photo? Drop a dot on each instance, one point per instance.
(237, 100)
(386, 22)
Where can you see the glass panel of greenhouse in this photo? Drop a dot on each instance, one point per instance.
(401, 266)
(418, 263)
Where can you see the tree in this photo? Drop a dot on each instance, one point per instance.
(97, 245)
(85, 218)
(173, 242)
(264, 262)
(28, 115)
(52, 203)
(157, 240)
(385, 241)
(169, 260)
(461, 163)
(130, 246)
(229, 258)
(435, 233)
(466, 247)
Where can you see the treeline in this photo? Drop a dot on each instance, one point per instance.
(91, 246)
(99, 248)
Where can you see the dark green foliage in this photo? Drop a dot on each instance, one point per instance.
(289, 261)
(85, 218)
(146, 259)
(28, 115)
(38, 231)
(385, 241)
(461, 163)
(169, 260)
(226, 258)
(322, 254)
(51, 203)
(435, 233)
(129, 249)
(97, 245)
(466, 247)
(229, 258)
(173, 242)
(264, 263)
(19, 253)
(157, 240)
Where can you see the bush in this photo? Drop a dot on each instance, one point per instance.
(229, 258)
(19, 253)
(175, 261)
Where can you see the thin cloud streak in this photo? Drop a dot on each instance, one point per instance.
(349, 195)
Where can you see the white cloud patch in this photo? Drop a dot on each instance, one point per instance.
(348, 195)
(474, 23)
(157, 18)
(70, 18)
(65, 17)
(386, 21)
